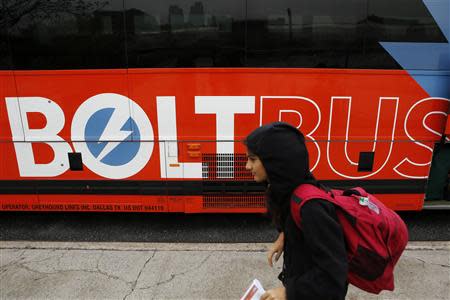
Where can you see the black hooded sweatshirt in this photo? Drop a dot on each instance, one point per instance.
(315, 258)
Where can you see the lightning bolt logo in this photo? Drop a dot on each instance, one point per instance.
(429, 58)
(110, 128)
(115, 128)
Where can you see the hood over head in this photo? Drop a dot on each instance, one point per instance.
(282, 151)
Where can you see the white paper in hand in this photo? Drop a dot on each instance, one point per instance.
(254, 292)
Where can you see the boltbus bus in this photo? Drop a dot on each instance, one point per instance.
(133, 105)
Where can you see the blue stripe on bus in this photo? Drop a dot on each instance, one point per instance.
(427, 56)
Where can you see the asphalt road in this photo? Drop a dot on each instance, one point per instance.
(205, 228)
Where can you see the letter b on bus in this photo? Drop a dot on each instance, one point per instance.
(23, 136)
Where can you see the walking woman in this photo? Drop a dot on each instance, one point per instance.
(314, 258)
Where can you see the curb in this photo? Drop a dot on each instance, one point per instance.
(239, 247)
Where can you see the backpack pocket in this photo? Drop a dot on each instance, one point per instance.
(367, 264)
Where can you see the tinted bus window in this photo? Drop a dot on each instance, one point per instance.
(397, 21)
(290, 33)
(5, 59)
(185, 33)
(73, 34)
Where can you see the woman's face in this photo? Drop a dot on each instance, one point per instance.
(255, 166)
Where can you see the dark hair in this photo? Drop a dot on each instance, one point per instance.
(282, 151)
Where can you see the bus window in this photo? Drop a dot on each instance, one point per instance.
(5, 58)
(185, 33)
(394, 23)
(85, 34)
(290, 33)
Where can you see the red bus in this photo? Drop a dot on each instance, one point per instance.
(128, 105)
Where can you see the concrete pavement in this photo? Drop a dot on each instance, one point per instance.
(60, 270)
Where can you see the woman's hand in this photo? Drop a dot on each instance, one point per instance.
(275, 294)
(276, 249)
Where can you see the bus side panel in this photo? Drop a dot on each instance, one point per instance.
(7, 89)
(10, 199)
(200, 117)
(402, 201)
(103, 203)
(17, 202)
(365, 120)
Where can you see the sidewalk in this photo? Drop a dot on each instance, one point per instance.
(58, 270)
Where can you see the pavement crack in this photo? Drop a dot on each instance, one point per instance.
(99, 271)
(199, 265)
(23, 266)
(440, 265)
(422, 261)
(172, 276)
(13, 262)
(430, 263)
(109, 276)
(39, 278)
(134, 283)
(105, 274)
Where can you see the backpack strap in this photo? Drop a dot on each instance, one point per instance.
(359, 191)
(302, 194)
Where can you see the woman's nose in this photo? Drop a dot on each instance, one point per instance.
(247, 166)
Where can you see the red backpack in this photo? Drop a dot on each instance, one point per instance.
(375, 235)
